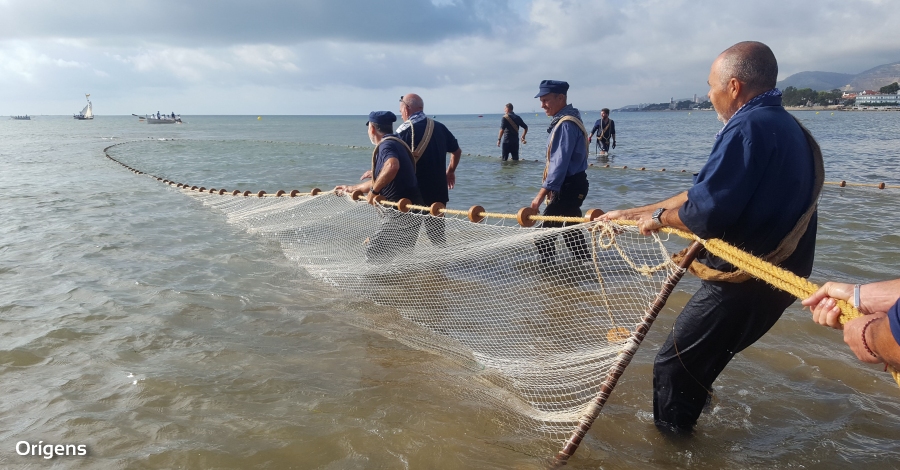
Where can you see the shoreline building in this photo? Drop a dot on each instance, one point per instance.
(873, 98)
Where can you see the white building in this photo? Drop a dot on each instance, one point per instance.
(878, 99)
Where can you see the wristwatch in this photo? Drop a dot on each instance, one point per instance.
(657, 214)
(372, 190)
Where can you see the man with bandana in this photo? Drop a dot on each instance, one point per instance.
(757, 191)
(430, 142)
(565, 183)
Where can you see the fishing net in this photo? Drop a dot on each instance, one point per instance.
(542, 331)
(544, 320)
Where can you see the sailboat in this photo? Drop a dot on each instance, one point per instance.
(87, 112)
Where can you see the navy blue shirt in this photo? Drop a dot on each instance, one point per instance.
(404, 185)
(757, 183)
(431, 170)
(511, 135)
(599, 126)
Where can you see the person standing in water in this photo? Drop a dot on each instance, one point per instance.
(508, 139)
(605, 128)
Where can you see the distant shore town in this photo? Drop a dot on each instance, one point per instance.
(885, 99)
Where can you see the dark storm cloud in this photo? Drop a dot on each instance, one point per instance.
(221, 22)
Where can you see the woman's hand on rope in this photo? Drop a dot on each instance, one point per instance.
(823, 304)
(859, 344)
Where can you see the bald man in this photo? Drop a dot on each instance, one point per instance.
(430, 142)
(757, 191)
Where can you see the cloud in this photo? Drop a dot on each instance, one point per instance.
(461, 55)
(223, 22)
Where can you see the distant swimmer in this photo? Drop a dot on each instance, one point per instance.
(605, 128)
(565, 183)
(508, 138)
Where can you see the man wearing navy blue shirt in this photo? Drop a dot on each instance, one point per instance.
(757, 191)
(430, 142)
(394, 178)
(605, 128)
(875, 335)
(565, 182)
(508, 139)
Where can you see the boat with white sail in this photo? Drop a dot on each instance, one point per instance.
(88, 111)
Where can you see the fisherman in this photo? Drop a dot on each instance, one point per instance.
(758, 191)
(605, 128)
(565, 183)
(875, 335)
(394, 178)
(430, 142)
(508, 139)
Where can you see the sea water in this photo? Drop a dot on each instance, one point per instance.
(139, 324)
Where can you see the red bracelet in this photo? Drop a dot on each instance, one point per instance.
(866, 345)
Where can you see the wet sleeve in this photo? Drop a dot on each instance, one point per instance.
(724, 186)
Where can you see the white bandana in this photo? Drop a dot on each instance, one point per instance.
(415, 118)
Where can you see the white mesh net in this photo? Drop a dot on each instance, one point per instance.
(538, 336)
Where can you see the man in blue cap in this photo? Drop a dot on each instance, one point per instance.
(394, 178)
(565, 182)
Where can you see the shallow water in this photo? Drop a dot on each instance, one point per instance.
(139, 323)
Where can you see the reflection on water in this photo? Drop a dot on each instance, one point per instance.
(140, 324)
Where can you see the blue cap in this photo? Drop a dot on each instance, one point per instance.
(552, 86)
(382, 118)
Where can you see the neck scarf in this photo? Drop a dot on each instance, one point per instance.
(568, 110)
(413, 119)
(756, 99)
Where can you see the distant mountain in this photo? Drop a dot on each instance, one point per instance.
(871, 79)
(817, 80)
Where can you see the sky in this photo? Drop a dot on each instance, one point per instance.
(268, 57)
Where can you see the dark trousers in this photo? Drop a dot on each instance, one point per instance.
(720, 320)
(603, 144)
(567, 202)
(507, 148)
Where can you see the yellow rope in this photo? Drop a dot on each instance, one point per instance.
(773, 275)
